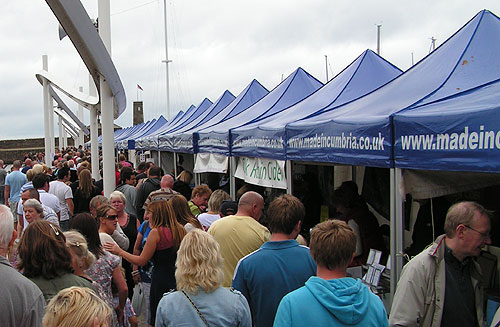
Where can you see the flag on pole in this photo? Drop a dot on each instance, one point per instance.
(139, 87)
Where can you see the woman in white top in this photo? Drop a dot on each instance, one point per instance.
(214, 203)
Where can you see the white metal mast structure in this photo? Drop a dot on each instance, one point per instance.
(166, 61)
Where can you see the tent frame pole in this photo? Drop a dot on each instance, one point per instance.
(288, 168)
(232, 179)
(397, 228)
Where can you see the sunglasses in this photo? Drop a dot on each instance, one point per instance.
(111, 217)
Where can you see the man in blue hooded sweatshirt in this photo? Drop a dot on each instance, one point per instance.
(331, 298)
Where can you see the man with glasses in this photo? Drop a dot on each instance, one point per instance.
(442, 285)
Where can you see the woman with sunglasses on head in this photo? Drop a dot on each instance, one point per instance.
(46, 260)
(107, 220)
(161, 247)
(106, 269)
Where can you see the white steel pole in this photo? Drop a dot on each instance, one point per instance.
(65, 138)
(167, 61)
(107, 130)
(175, 164)
(61, 128)
(396, 224)
(94, 144)
(232, 179)
(288, 168)
(46, 109)
(51, 127)
(378, 38)
(80, 117)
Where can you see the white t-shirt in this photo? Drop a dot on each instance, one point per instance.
(50, 200)
(63, 192)
(206, 219)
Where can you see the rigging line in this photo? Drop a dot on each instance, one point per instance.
(133, 8)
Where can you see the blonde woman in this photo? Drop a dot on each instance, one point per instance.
(200, 299)
(77, 307)
(161, 248)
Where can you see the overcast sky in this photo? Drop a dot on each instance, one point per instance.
(214, 46)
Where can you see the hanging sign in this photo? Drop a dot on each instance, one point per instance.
(263, 172)
(210, 162)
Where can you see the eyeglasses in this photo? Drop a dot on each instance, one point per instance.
(111, 217)
(484, 235)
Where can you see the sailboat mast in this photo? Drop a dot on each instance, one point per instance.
(166, 61)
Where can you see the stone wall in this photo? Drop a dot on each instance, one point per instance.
(11, 150)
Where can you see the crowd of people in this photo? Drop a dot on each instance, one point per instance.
(70, 256)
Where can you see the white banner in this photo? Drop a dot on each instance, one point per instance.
(210, 163)
(264, 172)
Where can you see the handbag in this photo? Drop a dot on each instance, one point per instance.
(196, 308)
(138, 299)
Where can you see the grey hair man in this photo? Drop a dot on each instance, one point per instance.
(240, 234)
(22, 302)
(441, 286)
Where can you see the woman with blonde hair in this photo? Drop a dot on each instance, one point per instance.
(200, 300)
(77, 307)
(183, 214)
(161, 247)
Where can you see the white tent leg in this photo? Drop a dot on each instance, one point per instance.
(396, 228)
(232, 179)
(288, 168)
(175, 164)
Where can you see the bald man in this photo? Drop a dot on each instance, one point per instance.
(240, 234)
(164, 193)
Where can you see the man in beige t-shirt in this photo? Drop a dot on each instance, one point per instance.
(240, 234)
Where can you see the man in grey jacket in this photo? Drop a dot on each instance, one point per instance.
(441, 285)
(22, 302)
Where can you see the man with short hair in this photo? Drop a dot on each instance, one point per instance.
(331, 298)
(152, 183)
(64, 194)
(41, 183)
(22, 302)
(164, 193)
(441, 286)
(240, 234)
(13, 183)
(280, 264)
(28, 164)
(127, 187)
(199, 199)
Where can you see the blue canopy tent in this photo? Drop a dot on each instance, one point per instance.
(137, 132)
(169, 141)
(360, 132)
(295, 87)
(265, 138)
(150, 141)
(189, 117)
(253, 92)
(150, 129)
(458, 133)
